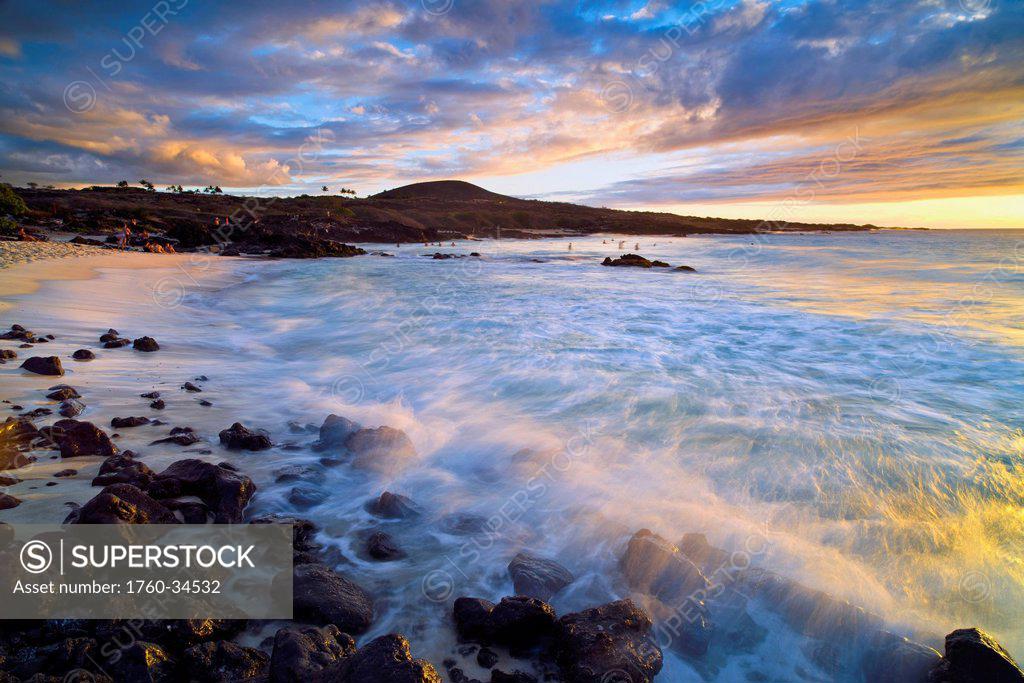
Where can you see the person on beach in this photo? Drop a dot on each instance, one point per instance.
(126, 234)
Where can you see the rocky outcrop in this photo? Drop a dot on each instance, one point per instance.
(973, 656)
(322, 596)
(239, 437)
(603, 641)
(44, 365)
(225, 491)
(537, 577)
(633, 261)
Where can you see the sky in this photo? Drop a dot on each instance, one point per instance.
(864, 111)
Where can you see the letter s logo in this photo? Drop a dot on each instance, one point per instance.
(36, 557)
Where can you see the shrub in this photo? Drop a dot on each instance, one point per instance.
(8, 228)
(10, 202)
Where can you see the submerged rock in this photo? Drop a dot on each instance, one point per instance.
(124, 469)
(8, 501)
(516, 621)
(124, 422)
(380, 449)
(44, 365)
(537, 577)
(63, 392)
(334, 432)
(380, 546)
(71, 408)
(83, 354)
(596, 643)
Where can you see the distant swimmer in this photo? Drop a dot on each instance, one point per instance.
(570, 246)
(604, 241)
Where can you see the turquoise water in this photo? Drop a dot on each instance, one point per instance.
(852, 402)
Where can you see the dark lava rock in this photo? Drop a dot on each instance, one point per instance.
(65, 473)
(124, 469)
(393, 506)
(537, 577)
(188, 386)
(122, 504)
(8, 354)
(486, 658)
(291, 473)
(595, 643)
(192, 512)
(516, 621)
(18, 435)
(224, 490)
(38, 412)
(239, 437)
(334, 432)
(151, 394)
(387, 659)
(145, 344)
(204, 402)
(110, 335)
(973, 656)
(8, 481)
(83, 354)
(158, 404)
(49, 365)
(685, 269)
(322, 596)
(75, 438)
(145, 662)
(117, 343)
(300, 652)
(223, 662)
(124, 422)
(380, 546)
(63, 393)
(8, 501)
(379, 449)
(18, 332)
(633, 260)
(71, 408)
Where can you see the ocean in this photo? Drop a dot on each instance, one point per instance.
(846, 408)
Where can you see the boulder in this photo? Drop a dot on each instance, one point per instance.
(223, 662)
(223, 489)
(537, 577)
(117, 343)
(379, 449)
(8, 501)
(83, 354)
(380, 546)
(334, 432)
(122, 504)
(594, 644)
(322, 596)
(300, 652)
(305, 496)
(685, 269)
(145, 344)
(188, 386)
(71, 408)
(110, 335)
(387, 659)
(654, 566)
(8, 354)
(393, 506)
(158, 404)
(18, 435)
(125, 422)
(44, 365)
(151, 394)
(239, 437)
(75, 438)
(516, 621)
(973, 656)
